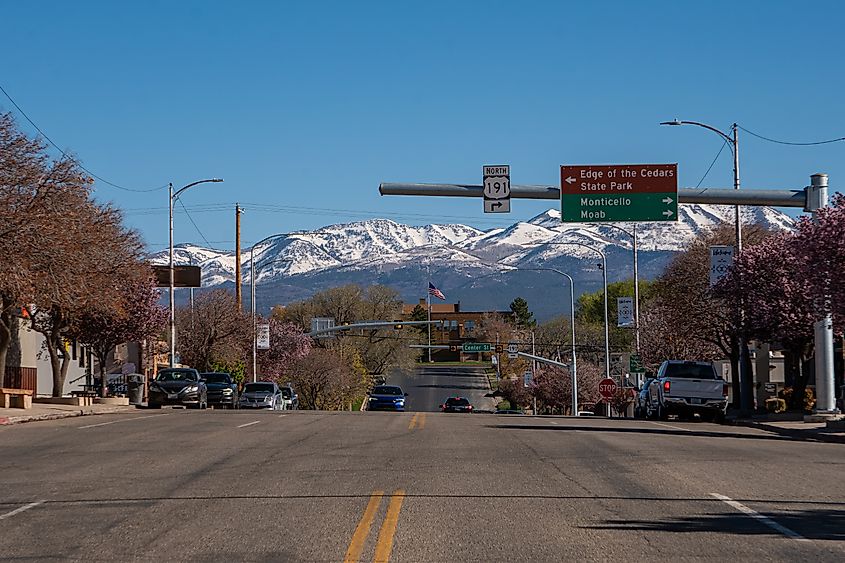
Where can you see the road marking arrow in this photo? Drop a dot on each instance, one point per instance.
(570, 180)
(668, 213)
(667, 200)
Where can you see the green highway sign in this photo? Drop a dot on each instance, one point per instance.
(621, 192)
(635, 364)
(476, 347)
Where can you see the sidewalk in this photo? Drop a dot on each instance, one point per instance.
(796, 429)
(41, 411)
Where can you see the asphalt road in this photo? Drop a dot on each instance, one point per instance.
(429, 386)
(417, 487)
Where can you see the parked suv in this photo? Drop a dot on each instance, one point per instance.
(261, 395)
(222, 389)
(684, 388)
(178, 386)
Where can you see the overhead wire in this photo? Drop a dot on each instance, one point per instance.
(191, 219)
(65, 155)
(813, 143)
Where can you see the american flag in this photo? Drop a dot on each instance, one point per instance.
(435, 292)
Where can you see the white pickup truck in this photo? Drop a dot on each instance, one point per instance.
(685, 388)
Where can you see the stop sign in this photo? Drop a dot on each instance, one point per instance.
(607, 387)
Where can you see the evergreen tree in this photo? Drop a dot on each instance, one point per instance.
(523, 317)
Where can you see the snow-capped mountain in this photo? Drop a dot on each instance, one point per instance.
(384, 251)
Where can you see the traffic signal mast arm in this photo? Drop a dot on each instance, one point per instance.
(378, 324)
(717, 196)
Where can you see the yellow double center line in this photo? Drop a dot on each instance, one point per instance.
(418, 421)
(384, 545)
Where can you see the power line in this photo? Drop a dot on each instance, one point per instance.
(65, 155)
(724, 142)
(194, 224)
(791, 142)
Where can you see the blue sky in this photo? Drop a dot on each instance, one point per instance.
(303, 108)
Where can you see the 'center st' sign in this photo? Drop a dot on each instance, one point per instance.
(619, 192)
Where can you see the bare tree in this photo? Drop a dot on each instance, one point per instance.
(219, 331)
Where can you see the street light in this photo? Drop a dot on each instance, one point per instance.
(733, 140)
(604, 281)
(173, 197)
(252, 278)
(633, 235)
(573, 367)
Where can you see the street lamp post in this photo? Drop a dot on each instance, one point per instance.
(173, 197)
(604, 282)
(633, 235)
(574, 365)
(745, 386)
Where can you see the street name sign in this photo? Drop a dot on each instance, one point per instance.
(721, 260)
(607, 387)
(476, 347)
(497, 188)
(618, 192)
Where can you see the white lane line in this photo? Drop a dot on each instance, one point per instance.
(123, 420)
(553, 422)
(757, 516)
(281, 415)
(21, 509)
(249, 424)
(669, 426)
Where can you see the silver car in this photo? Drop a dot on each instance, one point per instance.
(261, 395)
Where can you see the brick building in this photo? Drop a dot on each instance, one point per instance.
(457, 326)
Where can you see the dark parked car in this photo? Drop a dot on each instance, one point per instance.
(456, 404)
(261, 395)
(178, 386)
(641, 400)
(222, 389)
(386, 397)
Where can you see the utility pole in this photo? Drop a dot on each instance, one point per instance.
(238, 296)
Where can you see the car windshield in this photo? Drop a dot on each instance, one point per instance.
(217, 378)
(177, 375)
(258, 388)
(387, 390)
(690, 371)
(457, 402)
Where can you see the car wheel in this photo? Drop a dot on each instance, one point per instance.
(153, 406)
(662, 414)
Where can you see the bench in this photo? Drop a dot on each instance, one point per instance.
(15, 398)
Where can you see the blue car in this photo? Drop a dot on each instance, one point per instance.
(386, 398)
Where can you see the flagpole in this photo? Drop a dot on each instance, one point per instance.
(428, 294)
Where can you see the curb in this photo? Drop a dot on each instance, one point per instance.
(10, 420)
(809, 435)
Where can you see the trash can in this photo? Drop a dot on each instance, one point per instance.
(135, 388)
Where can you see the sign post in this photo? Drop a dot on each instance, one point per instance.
(497, 189)
(619, 192)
